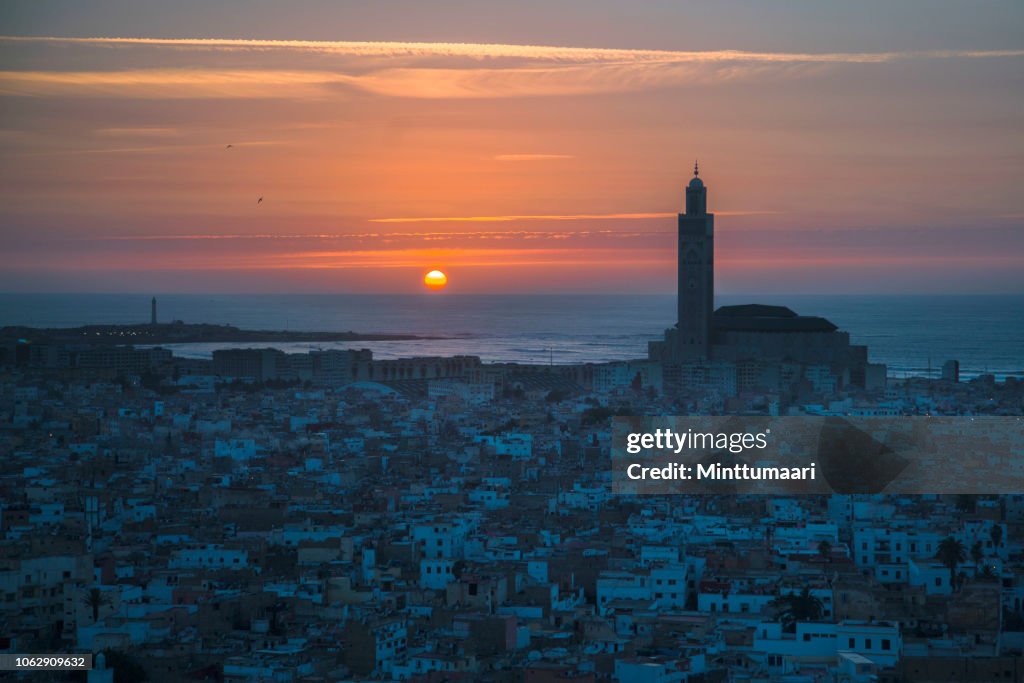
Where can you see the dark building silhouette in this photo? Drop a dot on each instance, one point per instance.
(951, 371)
(696, 273)
(258, 365)
(752, 346)
(152, 313)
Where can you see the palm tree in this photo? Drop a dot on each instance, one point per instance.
(951, 553)
(95, 600)
(797, 607)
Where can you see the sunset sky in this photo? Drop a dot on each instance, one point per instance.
(519, 147)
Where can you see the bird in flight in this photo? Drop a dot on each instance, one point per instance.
(229, 147)
(260, 200)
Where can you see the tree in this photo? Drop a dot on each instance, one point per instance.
(515, 393)
(988, 575)
(951, 553)
(458, 569)
(95, 600)
(825, 550)
(277, 627)
(965, 502)
(977, 554)
(556, 396)
(637, 384)
(126, 668)
(593, 416)
(797, 607)
(996, 534)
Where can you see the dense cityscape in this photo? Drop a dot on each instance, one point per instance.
(329, 516)
(291, 526)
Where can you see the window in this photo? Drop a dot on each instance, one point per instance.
(886, 644)
(867, 643)
(852, 643)
(807, 637)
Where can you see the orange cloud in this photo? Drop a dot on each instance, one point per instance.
(413, 72)
(570, 217)
(532, 157)
(169, 83)
(377, 259)
(500, 50)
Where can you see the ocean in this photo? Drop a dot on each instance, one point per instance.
(910, 334)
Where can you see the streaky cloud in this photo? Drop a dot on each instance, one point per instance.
(532, 157)
(570, 217)
(501, 50)
(435, 70)
(169, 83)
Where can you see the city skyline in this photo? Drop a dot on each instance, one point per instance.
(545, 153)
(465, 340)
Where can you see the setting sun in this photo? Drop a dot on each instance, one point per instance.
(435, 279)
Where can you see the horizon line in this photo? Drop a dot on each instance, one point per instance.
(448, 294)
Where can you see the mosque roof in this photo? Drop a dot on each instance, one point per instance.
(765, 318)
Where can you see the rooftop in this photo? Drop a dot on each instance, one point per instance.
(764, 318)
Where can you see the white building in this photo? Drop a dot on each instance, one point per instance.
(209, 557)
(435, 574)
